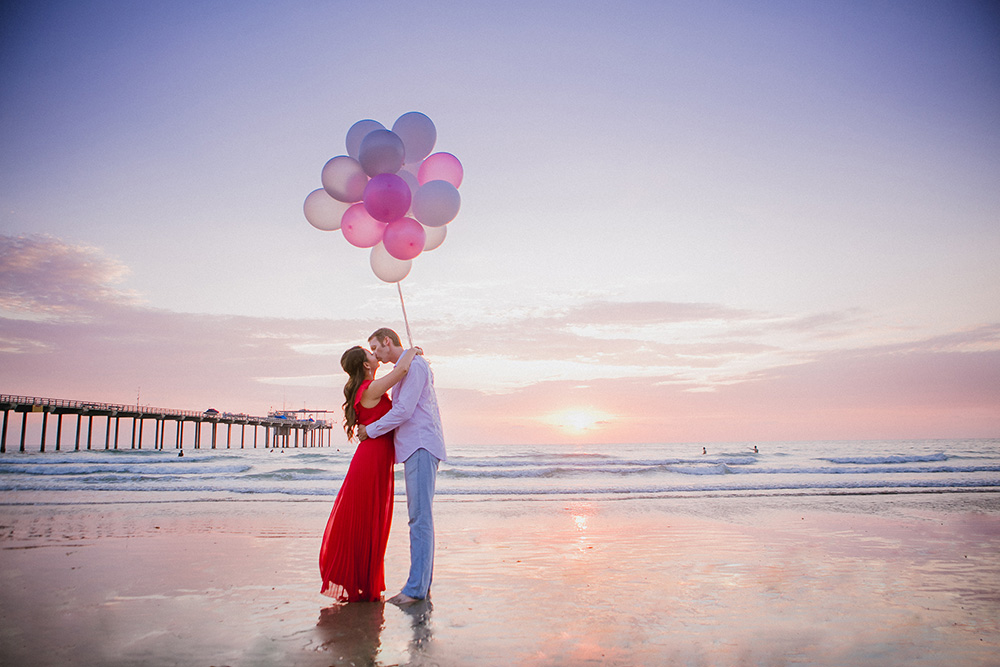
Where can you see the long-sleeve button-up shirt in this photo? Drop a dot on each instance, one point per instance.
(414, 414)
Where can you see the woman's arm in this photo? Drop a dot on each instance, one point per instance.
(383, 384)
(404, 401)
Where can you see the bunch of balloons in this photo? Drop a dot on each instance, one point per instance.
(389, 193)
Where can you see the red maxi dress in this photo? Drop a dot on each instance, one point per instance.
(352, 556)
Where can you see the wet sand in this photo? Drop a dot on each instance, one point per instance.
(846, 580)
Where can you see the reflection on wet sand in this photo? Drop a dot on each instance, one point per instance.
(352, 633)
(833, 581)
(420, 624)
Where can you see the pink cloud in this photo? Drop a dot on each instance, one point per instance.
(44, 277)
(859, 394)
(649, 312)
(70, 333)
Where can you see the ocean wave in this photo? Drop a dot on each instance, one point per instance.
(707, 469)
(330, 456)
(693, 488)
(122, 468)
(294, 471)
(516, 471)
(506, 491)
(609, 464)
(295, 474)
(521, 462)
(888, 460)
(716, 469)
(913, 470)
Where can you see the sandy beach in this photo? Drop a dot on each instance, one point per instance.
(901, 579)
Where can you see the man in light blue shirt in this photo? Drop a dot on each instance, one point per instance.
(419, 442)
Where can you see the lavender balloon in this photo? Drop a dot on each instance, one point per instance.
(381, 152)
(418, 134)
(436, 203)
(410, 178)
(358, 132)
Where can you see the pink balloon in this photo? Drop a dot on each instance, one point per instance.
(441, 167)
(387, 197)
(360, 229)
(344, 179)
(404, 239)
(323, 211)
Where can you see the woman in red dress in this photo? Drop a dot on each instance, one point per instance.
(352, 556)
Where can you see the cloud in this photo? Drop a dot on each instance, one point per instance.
(66, 331)
(649, 312)
(661, 370)
(848, 395)
(702, 344)
(44, 278)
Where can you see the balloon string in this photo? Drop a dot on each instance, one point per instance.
(405, 321)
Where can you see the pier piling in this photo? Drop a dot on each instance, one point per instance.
(277, 427)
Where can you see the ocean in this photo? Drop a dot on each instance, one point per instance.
(526, 471)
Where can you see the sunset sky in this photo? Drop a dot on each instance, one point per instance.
(680, 222)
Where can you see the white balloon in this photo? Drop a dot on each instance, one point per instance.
(344, 179)
(386, 267)
(436, 203)
(358, 132)
(435, 237)
(323, 211)
(418, 134)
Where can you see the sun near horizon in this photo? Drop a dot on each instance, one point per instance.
(576, 421)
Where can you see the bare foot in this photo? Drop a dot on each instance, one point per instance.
(402, 599)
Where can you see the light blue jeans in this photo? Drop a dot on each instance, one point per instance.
(420, 473)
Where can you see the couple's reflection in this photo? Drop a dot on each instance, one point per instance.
(420, 624)
(352, 633)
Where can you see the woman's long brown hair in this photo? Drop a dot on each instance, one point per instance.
(353, 363)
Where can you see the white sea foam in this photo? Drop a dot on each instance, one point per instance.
(520, 471)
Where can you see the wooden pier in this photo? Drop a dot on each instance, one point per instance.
(280, 429)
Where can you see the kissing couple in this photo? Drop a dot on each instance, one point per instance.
(405, 428)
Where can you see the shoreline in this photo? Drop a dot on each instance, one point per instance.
(101, 497)
(892, 579)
